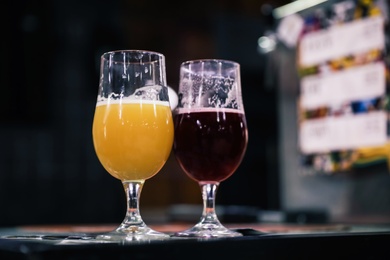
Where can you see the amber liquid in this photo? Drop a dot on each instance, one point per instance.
(133, 140)
(210, 145)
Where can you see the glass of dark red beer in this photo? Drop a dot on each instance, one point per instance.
(211, 134)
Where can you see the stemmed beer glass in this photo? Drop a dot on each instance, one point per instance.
(211, 134)
(132, 130)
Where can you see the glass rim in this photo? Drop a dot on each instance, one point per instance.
(197, 61)
(123, 51)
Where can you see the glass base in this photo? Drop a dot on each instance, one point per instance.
(207, 231)
(132, 234)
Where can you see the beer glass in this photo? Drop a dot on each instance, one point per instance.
(211, 134)
(132, 130)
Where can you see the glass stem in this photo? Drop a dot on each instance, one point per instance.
(209, 191)
(133, 217)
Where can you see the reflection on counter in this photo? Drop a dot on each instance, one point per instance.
(247, 214)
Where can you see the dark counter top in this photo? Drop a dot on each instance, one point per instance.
(259, 241)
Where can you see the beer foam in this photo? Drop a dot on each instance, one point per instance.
(128, 100)
(208, 109)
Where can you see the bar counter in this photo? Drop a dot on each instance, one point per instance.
(259, 241)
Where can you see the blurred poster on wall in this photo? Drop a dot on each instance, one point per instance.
(343, 102)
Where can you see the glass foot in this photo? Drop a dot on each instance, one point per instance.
(132, 234)
(207, 231)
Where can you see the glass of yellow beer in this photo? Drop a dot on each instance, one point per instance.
(132, 130)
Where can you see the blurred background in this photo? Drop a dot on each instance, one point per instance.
(51, 50)
(49, 172)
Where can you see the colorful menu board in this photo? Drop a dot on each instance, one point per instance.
(343, 103)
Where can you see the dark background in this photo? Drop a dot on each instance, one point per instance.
(50, 53)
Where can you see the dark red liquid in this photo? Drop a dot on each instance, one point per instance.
(209, 146)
